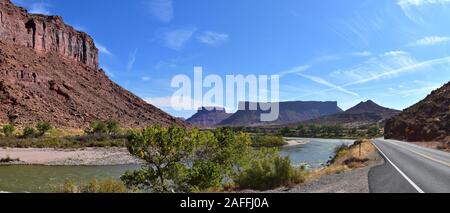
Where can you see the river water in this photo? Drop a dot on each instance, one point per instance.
(315, 153)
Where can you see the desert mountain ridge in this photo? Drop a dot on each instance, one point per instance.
(49, 72)
(289, 112)
(364, 113)
(428, 120)
(208, 117)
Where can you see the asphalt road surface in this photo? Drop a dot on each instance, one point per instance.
(410, 168)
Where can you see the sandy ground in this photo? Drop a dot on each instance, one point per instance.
(87, 156)
(295, 142)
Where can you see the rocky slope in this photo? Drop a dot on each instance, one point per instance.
(365, 113)
(52, 75)
(290, 112)
(208, 117)
(428, 120)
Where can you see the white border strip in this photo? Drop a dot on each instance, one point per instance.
(400, 171)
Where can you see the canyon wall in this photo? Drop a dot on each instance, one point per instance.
(46, 34)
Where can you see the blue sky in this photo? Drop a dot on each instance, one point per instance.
(394, 52)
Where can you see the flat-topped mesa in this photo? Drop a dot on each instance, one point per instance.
(46, 34)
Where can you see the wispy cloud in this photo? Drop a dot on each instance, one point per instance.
(39, 8)
(375, 66)
(108, 72)
(176, 39)
(131, 60)
(294, 70)
(361, 54)
(213, 38)
(328, 84)
(430, 40)
(166, 102)
(162, 10)
(408, 68)
(411, 8)
(418, 88)
(146, 78)
(103, 49)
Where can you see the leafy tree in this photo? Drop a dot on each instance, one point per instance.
(98, 127)
(374, 131)
(43, 127)
(113, 127)
(186, 161)
(285, 131)
(163, 150)
(29, 132)
(8, 130)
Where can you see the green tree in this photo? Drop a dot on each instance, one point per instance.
(163, 150)
(374, 131)
(8, 130)
(29, 132)
(285, 131)
(186, 161)
(97, 127)
(43, 127)
(113, 127)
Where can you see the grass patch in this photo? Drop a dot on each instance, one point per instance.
(62, 143)
(94, 186)
(347, 158)
(266, 140)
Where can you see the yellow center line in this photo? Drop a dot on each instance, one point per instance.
(423, 155)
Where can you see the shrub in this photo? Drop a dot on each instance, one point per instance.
(268, 141)
(104, 127)
(8, 130)
(268, 170)
(374, 131)
(113, 127)
(95, 186)
(29, 132)
(43, 127)
(8, 160)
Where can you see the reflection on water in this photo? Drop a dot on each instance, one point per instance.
(45, 178)
(315, 153)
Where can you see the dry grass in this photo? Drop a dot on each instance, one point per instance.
(356, 156)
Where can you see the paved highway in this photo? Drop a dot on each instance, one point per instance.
(410, 168)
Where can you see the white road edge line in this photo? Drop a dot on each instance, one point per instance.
(400, 171)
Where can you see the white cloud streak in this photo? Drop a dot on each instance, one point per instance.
(213, 38)
(131, 61)
(40, 8)
(176, 39)
(328, 84)
(430, 40)
(103, 49)
(162, 10)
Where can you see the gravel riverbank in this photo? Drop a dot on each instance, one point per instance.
(69, 157)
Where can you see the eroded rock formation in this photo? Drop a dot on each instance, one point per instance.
(46, 34)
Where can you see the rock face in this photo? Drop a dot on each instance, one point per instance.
(428, 120)
(209, 117)
(365, 113)
(48, 72)
(46, 34)
(290, 112)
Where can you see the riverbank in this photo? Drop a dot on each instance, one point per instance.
(68, 157)
(347, 173)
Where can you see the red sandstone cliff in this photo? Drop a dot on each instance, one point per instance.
(49, 72)
(45, 34)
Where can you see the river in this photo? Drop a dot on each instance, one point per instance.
(315, 153)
